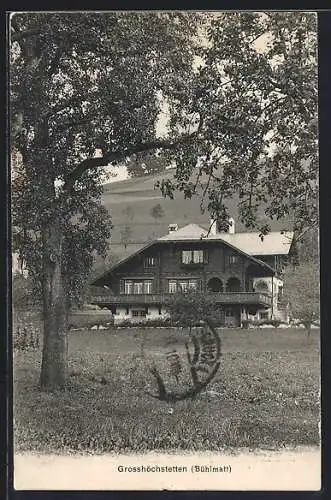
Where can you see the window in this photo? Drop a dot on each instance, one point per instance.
(139, 313)
(147, 287)
(229, 313)
(150, 262)
(193, 257)
(183, 285)
(138, 287)
(193, 284)
(128, 287)
(233, 259)
(186, 257)
(264, 315)
(198, 256)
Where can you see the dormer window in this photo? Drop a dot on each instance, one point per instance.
(150, 261)
(193, 257)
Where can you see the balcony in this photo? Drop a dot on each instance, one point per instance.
(137, 299)
(192, 265)
(244, 298)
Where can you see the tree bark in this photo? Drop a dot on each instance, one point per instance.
(54, 366)
(308, 328)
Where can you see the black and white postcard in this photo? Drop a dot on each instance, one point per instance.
(165, 250)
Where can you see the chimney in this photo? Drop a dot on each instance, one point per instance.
(172, 228)
(216, 227)
(232, 227)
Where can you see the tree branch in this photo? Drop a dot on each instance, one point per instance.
(20, 35)
(61, 106)
(116, 156)
(55, 62)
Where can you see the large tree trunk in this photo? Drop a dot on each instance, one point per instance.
(54, 366)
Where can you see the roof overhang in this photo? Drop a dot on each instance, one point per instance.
(104, 278)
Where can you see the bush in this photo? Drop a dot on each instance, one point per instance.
(150, 323)
(246, 323)
(87, 319)
(126, 323)
(24, 293)
(26, 337)
(159, 322)
(272, 322)
(193, 308)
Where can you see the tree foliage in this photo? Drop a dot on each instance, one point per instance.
(145, 164)
(73, 94)
(301, 291)
(157, 212)
(70, 96)
(192, 308)
(24, 293)
(308, 247)
(254, 106)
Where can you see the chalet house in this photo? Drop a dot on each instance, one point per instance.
(241, 271)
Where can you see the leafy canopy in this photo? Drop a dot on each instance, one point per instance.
(157, 212)
(145, 164)
(82, 82)
(192, 307)
(254, 105)
(301, 291)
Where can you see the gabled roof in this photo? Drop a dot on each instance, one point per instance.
(274, 243)
(121, 261)
(187, 233)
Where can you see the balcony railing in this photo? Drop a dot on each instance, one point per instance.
(245, 298)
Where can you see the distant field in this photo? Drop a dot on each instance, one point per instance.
(265, 395)
(141, 196)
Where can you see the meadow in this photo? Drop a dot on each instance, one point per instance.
(264, 396)
(141, 195)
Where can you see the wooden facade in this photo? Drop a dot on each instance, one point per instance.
(137, 286)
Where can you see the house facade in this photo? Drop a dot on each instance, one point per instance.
(244, 284)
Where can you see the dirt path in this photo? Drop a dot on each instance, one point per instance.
(298, 469)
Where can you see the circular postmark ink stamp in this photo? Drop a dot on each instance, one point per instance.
(187, 367)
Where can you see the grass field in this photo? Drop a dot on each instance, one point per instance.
(265, 395)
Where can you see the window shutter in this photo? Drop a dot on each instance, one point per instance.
(121, 286)
(205, 256)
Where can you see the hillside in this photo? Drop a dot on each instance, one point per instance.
(140, 195)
